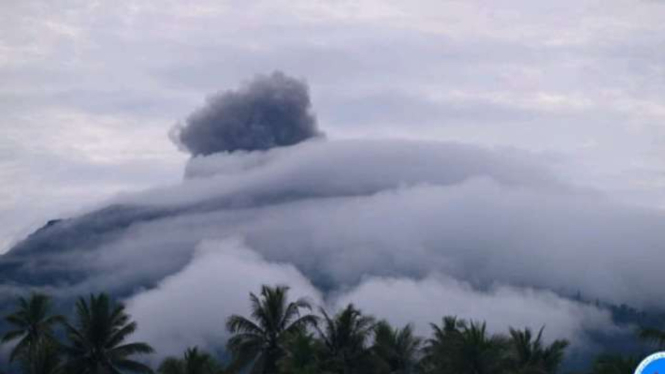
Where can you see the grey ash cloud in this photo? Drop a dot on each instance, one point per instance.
(269, 111)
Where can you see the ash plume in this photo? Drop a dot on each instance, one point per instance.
(269, 111)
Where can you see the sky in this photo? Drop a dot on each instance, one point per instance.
(89, 89)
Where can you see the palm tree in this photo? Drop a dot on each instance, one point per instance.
(528, 354)
(97, 340)
(31, 324)
(345, 339)
(302, 354)
(46, 359)
(193, 362)
(614, 364)
(437, 344)
(481, 353)
(464, 347)
(438, 350)
(260, 340)
(397, 349)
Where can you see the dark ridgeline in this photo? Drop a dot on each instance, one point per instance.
(44, 257)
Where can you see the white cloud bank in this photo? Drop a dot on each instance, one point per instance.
(405, 300)
(190, 308)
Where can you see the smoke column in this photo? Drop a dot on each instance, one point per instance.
(267, 112)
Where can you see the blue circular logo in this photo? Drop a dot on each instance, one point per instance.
(654, 364)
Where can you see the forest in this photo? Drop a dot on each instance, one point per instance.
(282, 335)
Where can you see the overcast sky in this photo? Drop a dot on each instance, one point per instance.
(90, 89)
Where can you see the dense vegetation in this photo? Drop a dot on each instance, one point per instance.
(283, 336)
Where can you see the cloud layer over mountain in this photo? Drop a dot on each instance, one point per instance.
(436, 228)
(443, 228)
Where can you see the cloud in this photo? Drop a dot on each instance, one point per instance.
(343, 210)
(406, 300)
(270, 111)
(190, 307)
